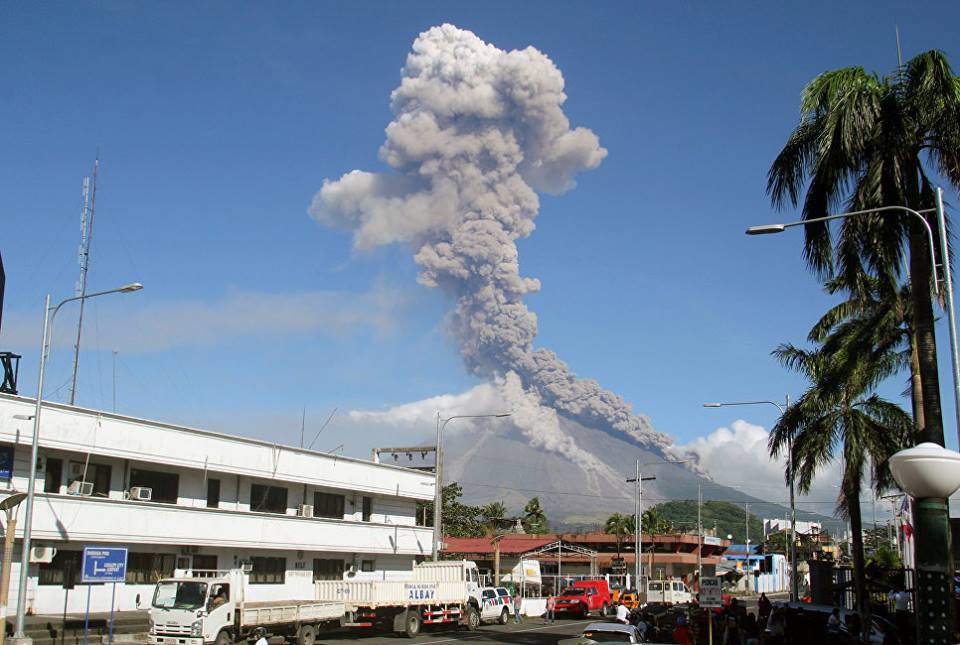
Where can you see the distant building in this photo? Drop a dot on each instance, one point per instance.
(777, 525)
(591, 554)
(183, 498)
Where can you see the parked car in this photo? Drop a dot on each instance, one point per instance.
(505, 595)
(668, 592)
(584, 596)
(609, 633)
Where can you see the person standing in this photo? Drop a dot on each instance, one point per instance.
(901, 604)
(551, 606)
(681, 633)
(262, 633)
(763, 610)
(623, 614)
(517, 605)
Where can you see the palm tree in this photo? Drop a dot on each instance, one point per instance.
(620, 526)
(861, 144)
(492, 515)
(654, 523)
(840, 416)
(534, 517)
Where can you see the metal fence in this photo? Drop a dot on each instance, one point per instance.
(880, 582)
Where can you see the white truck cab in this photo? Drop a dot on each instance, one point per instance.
(204, 607)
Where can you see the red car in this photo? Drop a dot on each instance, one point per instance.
(584, 596)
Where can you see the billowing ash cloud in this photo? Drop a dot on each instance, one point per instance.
(477, 132)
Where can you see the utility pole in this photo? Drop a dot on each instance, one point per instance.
(638, 524)
(746, 522)
(699, 534)
(86, 233)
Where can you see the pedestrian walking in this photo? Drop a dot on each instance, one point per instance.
(517, 604)
(551, 606)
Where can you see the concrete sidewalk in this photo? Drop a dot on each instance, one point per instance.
(47, 629)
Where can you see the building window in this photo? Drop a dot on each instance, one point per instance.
(64, 568)
(53, 475)
(204, 562)
(147, 568)
(96, 474)
(6, 462)
(164, 487)
(267, 571)
(366, 565)
(213, 493)
(328, 505)
(327, 569)
(367, 508)
(268, 499)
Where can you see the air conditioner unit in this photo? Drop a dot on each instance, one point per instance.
(42, 554)
(246, 566)
(305, 510)
(141, 493)
(82, 488)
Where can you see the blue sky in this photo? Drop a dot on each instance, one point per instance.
(218, 122)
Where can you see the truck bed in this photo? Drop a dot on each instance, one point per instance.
(383, 593)
(289, 611)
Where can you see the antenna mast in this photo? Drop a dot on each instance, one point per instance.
(83, 257)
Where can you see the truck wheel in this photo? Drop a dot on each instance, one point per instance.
(604, 610)
(504, 617)
(473, 619)
(411, 624)
(224, 638)
(306, 635)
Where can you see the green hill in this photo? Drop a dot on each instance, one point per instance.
(727, 518)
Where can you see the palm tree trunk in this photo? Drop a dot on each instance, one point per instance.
(916, 384)
(932, 428)
(859, 564)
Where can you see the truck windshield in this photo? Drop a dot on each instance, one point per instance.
(180, 595)
(570, 591)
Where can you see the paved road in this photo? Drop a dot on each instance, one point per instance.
(531, 632)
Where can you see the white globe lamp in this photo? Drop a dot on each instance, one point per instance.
(927, 470)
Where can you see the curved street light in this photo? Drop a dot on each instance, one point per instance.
(793, 507)
(438, 486)
(49, 314)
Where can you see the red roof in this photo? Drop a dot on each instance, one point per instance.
(509, 544)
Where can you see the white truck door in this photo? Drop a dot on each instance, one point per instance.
(220, 610)
(491, 605)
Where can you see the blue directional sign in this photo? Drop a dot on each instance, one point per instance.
(104, 564)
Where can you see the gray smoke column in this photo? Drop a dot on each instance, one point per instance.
(477, 133)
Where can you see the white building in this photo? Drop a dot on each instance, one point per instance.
(215, 501)
(778, 525)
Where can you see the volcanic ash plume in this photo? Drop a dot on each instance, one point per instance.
(477, 132)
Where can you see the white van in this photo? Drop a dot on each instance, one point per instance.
(668, 592)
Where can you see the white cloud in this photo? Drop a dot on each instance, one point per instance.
(738, 457)
(417, 415)
(135, 327)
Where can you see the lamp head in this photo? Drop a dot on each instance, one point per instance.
(713, 405)
(133, 286)
(766, 229)
(927, 470)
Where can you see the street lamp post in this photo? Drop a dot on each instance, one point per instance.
(932, 547)
(790, 478)
(438, 487)
(930, 473)
(944, 272)
(49, 314)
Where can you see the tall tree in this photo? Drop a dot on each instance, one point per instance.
(493, 515)
(861, 143)
(840, 416)
(619, 526)
(534, 518)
